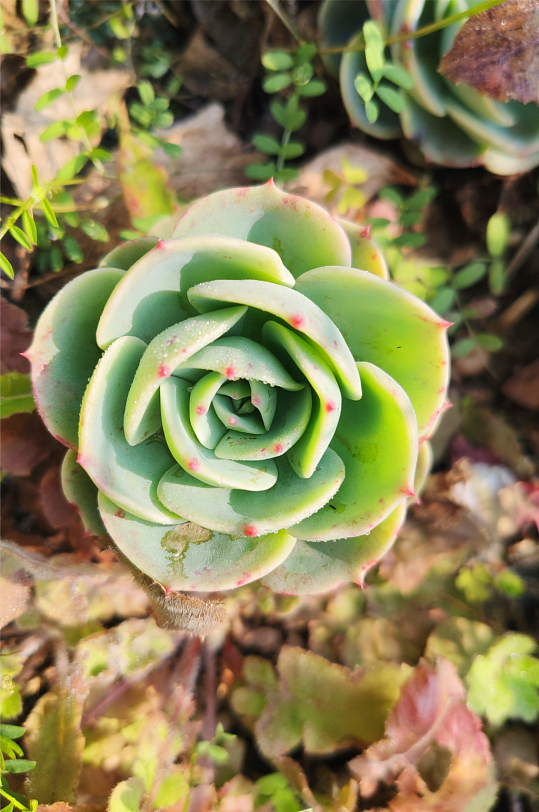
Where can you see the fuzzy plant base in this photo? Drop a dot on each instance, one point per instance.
(240, 402)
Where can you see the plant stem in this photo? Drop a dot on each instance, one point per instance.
(84, 136)
(280, 158)
(274, 4)
(420, 32)
(13, 800)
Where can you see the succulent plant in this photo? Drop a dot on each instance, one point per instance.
(255, 402)
(452, 125)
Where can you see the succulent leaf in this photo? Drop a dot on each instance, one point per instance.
(453, 125)
(372, 433)
(128, 474)
(64, 351)
(191, 558)
(389, 327)
(302, 233)
(241, 421)
(314, 567)
(239, 512)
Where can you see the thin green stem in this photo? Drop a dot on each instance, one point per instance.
(56, 207)
(13, 800)
(420, 32)
(274, 4)
(284, 141)
(58, 42)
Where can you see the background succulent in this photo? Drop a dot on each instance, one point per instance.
(453, 125)
(255, 402)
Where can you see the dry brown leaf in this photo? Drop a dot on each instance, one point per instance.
(15, 337)
(25, 443)
(523, 387)
(497, 52)
(434, 750)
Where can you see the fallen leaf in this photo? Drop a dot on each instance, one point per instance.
(497, 52)
(55, 741)
(379, 168)
(523, 387)
(324, 705)
(15, 338)
(145, 185)
(22, 127)
(459, 640)
(504, 683)
(25, 443)
(434, 749)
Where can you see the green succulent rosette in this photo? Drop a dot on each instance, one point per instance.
(244, 400)
(452, 125)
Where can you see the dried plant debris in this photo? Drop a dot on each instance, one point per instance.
(497, 52)
(434, 751)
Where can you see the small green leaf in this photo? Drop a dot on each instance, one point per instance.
(30, 11)
(392, 98)
(29, 226)
(6, 266)
(372, 111)
(412, 240)
(302, 74)
(443, 300)
(420, 199)
(72, 218)
(35, 176)
(267, 144)
(261, 172)
(305, 53)
(292, 115)
(35, 60)
(469, 275)
(410, 218)
(398, 76)
(489, 342)
(49, 213)
(391, 194)
(172, 150)
(62, 51)
(375, 62)
(72, 249)
(19, 235)
(99, 154)
(118, 28)
(164, 120)
(364, 87)
(146, 92)
(373, 35)
(12, 731)
(72, 82)
(276, 60)
(286, 174)
(69, 171)
(292, 150)
(96, 231)
(498, 228)
(510, 583)
(55, 130)
(316, 87)
(48, 98)
(462, 347)
(276, 82)
(19, 765)
(56, 259)
(496, 277)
